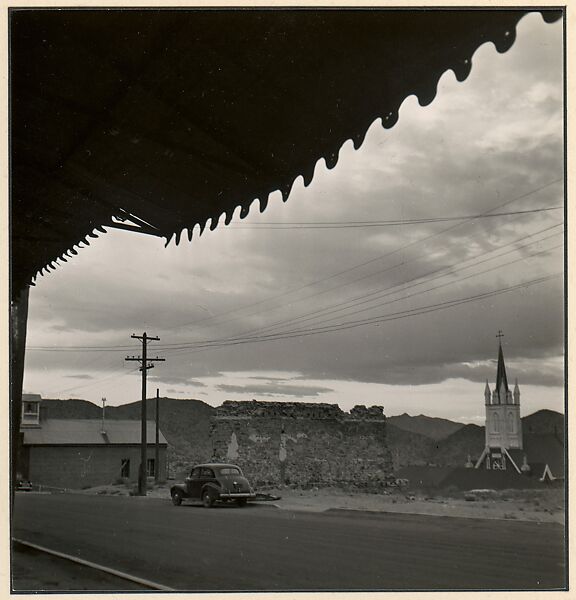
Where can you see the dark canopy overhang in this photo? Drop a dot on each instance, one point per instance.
(171, 118)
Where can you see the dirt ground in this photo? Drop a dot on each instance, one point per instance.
(526, 505)
(544, 505)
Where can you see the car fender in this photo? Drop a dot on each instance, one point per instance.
(211, 487)
(180, 487)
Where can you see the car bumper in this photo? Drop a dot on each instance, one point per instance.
(234, 495)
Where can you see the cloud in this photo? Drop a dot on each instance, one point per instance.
(176, 380)
(83, 376)
(272, 389)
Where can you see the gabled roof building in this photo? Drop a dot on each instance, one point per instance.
(83, 453)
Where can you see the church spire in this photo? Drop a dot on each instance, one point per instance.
(501, 379)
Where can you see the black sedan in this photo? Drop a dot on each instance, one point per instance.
(213, 482)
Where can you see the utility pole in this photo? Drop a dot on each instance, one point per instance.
(147, 363)
(103, 414)
(157, 455)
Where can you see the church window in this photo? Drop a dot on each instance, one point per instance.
(495, 423)
(510, 422)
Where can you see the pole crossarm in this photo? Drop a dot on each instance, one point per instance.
(146, 364)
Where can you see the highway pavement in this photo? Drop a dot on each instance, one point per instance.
(259, 547)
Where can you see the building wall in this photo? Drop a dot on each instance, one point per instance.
(503, 426)
(78, 467)
(303, 444)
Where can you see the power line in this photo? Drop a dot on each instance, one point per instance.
(334, 275)
(380, 223)
(115, 375)
(362, 322)
(363, 264)
(365, 298)
(402, 287)
(247, 335)
(379, 272)
(449, 270)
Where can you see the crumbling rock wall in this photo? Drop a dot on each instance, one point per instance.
(302, 443)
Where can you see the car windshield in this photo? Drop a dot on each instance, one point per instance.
(230, 471)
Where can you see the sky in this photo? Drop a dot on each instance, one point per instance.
(384, 282)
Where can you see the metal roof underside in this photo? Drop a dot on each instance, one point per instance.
(173, 118)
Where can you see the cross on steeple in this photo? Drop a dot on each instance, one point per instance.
(500, 334)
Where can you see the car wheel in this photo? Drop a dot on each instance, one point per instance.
(242, 501)
(207, 499)
(176, 498)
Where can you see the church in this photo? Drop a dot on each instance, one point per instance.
(507, 448)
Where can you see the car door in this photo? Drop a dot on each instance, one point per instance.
(193, 483)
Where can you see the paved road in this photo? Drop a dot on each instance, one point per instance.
(191, 548)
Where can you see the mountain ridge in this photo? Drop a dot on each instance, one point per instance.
(417, 440)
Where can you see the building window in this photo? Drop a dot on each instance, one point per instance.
(125, 468)
(511, 423)
(31, 408)
(151, 467)
(495, 423)
(30, 412)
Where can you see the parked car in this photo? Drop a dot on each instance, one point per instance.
(23, 485)
(213, 482)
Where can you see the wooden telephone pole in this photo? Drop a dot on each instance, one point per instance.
(147, 363)
(157, 455)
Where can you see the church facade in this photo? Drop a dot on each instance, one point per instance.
(507, 447)
(504, 440)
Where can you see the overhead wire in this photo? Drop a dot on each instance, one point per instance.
(248, 334)
(283, 294)
(380, 223)
(370, 321)
(416, 242)
(364, 298)
(115, 375)
(414, 281)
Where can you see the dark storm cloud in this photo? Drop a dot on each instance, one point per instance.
(272, 389)
(170, 379)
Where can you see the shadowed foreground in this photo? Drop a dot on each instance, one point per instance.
(263, 548)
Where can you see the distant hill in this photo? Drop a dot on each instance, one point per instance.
(470, 439)
(432, 427)
(70, 409)
(454, 450)
(544, 421)
(407, 447)
(416, 440)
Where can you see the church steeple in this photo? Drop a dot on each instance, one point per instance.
(501, 378)
(503, 422)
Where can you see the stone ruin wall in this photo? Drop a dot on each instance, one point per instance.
(300, 444)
